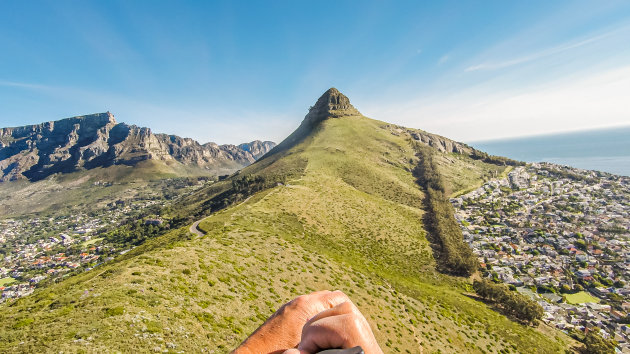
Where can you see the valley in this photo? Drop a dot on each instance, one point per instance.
(41, 247)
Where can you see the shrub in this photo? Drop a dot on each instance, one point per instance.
(595, 344)
(114, 311)
(23, 323)
(512, 303)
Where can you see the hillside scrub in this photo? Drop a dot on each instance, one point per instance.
(495, 160)
(595, 344)
(453, 255)
(242, 188)
(512, 303)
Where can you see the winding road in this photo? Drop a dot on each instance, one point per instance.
(195, 229)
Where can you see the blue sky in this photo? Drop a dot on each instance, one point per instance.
(234, 71)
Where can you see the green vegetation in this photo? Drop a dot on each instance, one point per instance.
(566, 174)
(242, 188)
(595, 344)
(452, 253)
(462, 174)
(495, 160)
(114, 311)
(512, 303)
(94, 189)
(347, 215)
(134, 233)
(580, 298)
(6, 281)
(92, 241)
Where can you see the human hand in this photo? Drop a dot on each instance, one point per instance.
(342, 326)
(284, 328)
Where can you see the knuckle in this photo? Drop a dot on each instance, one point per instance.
(300, 301)
(340, 294)
(348, 307)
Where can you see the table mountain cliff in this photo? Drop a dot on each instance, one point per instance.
(36, 151)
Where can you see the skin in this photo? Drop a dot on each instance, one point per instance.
(311, 323)
(342, 326)
(283, 329)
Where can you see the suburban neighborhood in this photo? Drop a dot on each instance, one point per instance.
(36, 249)
(559, 235)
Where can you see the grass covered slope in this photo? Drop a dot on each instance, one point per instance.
(77, 190)
(350, 218)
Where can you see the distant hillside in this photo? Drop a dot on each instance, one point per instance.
(34, 152)
(334, 206)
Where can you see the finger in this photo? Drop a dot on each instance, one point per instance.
(326, 333)
(341, 309)
(331, 298)
(317, 302)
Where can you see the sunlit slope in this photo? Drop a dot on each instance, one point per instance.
(350, 218)
(77, 190)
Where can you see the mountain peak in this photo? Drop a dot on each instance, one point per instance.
(331, 104)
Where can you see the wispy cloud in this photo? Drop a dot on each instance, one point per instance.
(494, 65)
(578, 102)
(444, 59)
(22, 85)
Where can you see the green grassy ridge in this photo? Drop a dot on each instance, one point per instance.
(327, 227)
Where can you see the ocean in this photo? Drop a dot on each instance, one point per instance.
(605, 150)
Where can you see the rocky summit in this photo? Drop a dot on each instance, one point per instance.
(334, 104)
(36, 151)
(331, 104)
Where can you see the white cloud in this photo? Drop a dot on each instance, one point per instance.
(575, 103)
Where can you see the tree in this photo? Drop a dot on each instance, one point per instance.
(512, 303)
(619, 284)
(565, 289)
(607, 281)
(596, 344)
(454, 255)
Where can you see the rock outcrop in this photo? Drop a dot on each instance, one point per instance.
(433, 140)
(332, 104)
(97, 140)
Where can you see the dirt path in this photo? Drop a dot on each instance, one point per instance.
(194, 228)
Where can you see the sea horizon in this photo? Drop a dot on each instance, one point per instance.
(606, 150)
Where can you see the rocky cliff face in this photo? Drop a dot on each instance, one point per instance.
(331, 104)
(37, 151)
(433, 140)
